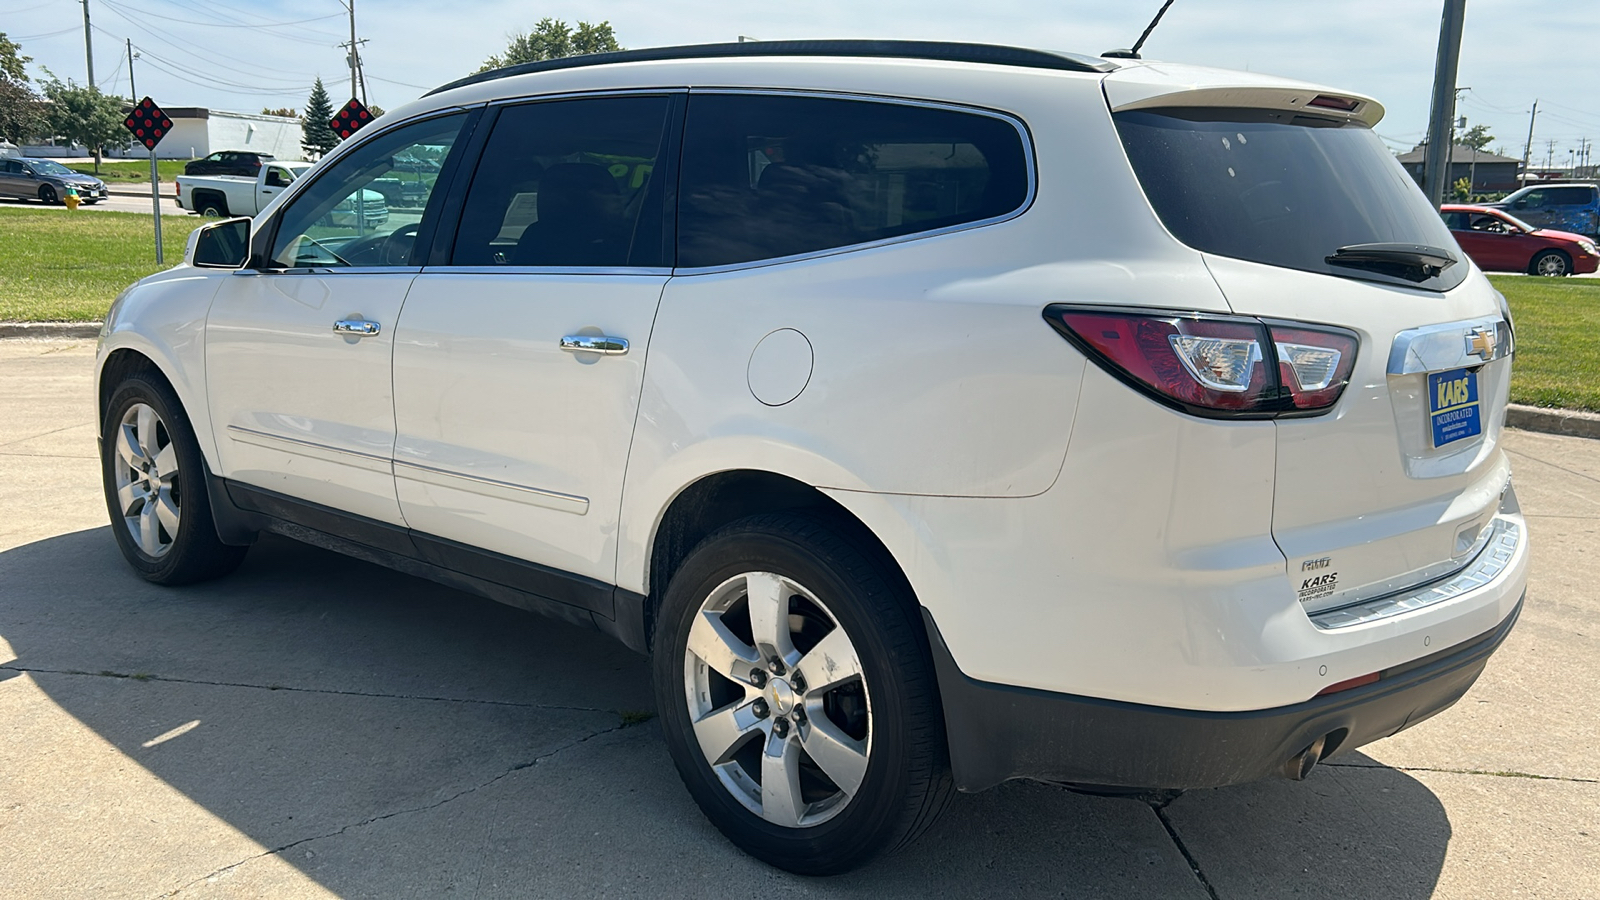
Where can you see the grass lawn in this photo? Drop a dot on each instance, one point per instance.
(136, 170)
(1558, 340)
(59, 266)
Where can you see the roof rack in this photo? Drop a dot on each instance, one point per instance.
(948, 51)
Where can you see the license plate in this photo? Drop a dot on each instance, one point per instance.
(1453, 406)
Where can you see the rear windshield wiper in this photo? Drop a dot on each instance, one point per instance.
(1415, 262)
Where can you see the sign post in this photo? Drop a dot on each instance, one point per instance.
(149, 125)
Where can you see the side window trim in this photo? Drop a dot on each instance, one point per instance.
(442, 234)
(1030, 162)
(266, 235)
(449, 222)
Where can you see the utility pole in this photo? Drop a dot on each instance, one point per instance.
(88, 43)
(133, 92)
(1437, 170)
(1549, 152)
(1527, 149)
(358, 81)
(353, 49)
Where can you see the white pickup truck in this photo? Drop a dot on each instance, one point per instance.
(236, 195)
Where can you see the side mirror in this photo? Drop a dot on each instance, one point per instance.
(1520, 204)
(221, 245)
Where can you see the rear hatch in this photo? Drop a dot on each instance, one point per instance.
(1304, 215)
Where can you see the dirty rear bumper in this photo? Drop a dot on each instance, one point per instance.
(999, 732)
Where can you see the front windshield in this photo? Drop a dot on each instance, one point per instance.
(1281, 188)
(50, 167)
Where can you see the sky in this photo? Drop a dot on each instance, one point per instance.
(245, 55)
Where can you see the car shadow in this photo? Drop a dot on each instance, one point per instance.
(389, 737)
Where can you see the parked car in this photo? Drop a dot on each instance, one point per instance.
(1008, 414)
(246, 163)
(1568, 207)
(225, 195)
(47, 181)
(1500, 242)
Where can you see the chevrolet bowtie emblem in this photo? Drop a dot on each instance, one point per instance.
(1480, 343)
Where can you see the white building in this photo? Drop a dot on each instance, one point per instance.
(197, 131)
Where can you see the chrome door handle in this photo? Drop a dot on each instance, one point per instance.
(595, 343)
(357, 327)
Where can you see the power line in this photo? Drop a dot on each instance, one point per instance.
(48, 34)
(420, 87)
(16, 12)
(146, 12)
(204, 58)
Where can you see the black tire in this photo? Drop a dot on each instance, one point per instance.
(47, 195)
(907, 781)
(1551, 263)
(212, 206)
(195, 553)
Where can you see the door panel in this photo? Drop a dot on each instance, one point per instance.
(506, 441)
(299, 348)
(298, 408)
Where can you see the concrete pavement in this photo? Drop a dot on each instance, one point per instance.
(314, 726)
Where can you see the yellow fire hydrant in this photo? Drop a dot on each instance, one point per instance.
(71, 199)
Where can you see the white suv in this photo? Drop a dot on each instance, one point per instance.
(933, 414)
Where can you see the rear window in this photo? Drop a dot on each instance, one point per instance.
(1573, 196)
(1282, 189)
(766, 177)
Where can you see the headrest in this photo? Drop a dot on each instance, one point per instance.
(572, 188)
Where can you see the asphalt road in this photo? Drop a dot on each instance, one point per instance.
(314, 726)
(112, 203)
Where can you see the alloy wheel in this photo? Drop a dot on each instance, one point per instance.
(146, 471)
(779, 704)
(1552, 265)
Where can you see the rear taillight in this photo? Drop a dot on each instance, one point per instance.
(1215, 366)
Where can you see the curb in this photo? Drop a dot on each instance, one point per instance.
(50, 331)
(1553, 421)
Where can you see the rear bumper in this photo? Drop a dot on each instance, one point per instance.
(999, 732)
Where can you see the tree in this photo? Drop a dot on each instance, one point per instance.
(317, 137)
(282, 112)
(21, 109)
(21, 112)
(1477, 137)
(85, 116)
(12, 62)
(553, 39)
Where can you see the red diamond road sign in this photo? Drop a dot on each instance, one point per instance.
(350, 118)
(148, 123)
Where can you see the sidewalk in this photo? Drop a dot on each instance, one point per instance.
(139, 189)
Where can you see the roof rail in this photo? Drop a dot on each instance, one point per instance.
(948, 51)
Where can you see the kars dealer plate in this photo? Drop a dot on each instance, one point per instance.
(1453, 407)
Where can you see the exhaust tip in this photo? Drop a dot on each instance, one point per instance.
(1301, 764)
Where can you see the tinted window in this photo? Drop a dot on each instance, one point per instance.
(772, 176)
(344, 219)
(1281, 189)
(1455, 221)
(1534, 199)
(1570, 196)
(567, 183)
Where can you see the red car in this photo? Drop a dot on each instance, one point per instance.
(1500, 242)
